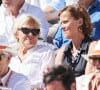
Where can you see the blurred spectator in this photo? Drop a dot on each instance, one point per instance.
(55, 6)
(91, 81)
(89, 67)
(32, 58)
(8, 78)
(60, 78)
(76, 24)
(12, 9)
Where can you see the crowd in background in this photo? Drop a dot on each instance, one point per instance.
(50, 44)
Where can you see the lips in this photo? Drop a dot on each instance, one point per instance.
(65, 30)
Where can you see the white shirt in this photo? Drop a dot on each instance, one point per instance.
(7, 22)
(38, 60)
(39, 3)
(17, 81)
(82, 82)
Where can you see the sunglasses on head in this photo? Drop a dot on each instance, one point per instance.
(27, 31)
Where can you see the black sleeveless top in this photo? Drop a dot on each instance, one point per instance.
(78, 63)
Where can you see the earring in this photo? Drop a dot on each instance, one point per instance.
(80, 29)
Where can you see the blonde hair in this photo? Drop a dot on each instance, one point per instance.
(25, 18)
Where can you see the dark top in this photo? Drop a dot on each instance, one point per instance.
(0, 2)
(78, 63)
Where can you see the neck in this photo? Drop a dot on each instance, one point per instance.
(77, 42)
(23, 51)
(6, 71)
(14, 9)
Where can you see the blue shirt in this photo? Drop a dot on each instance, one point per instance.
(59, 38)
(94, 11)
(58, 4)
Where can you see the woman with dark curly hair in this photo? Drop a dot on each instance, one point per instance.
(76, 24)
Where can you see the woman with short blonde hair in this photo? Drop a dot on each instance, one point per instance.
(32, 59)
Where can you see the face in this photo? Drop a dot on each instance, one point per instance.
(55, 85)
(69, 25)
(3, 65)
(50, 13)
(27, 40)
(95, 60)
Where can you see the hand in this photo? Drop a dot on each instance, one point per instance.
(46, 70)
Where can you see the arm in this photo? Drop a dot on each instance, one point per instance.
(52, 9)
(59, 56)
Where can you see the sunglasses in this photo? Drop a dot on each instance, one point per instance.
(1, 55)
(94, 58)
(33, 31)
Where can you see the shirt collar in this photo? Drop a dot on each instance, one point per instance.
(3, 9)
(23, 8)
(4, 79)
(32, 49)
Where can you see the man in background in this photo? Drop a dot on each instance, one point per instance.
(60, 78)
(8, 78)
(92, 80)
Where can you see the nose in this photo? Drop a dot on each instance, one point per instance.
(30, 33)
(62, 26)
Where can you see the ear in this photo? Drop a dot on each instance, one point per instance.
(80, 21)
(73, 86)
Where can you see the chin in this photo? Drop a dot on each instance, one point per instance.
(31, 45)
(67, 37)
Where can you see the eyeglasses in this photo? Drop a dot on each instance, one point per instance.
(94, 58)
(1, 55)
(33, 31)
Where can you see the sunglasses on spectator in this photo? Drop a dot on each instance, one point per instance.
(27, 31)
(94, 58)
(1, 55)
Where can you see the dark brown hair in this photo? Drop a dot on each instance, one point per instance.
(61, 73)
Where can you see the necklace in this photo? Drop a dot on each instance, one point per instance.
(75, 56)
